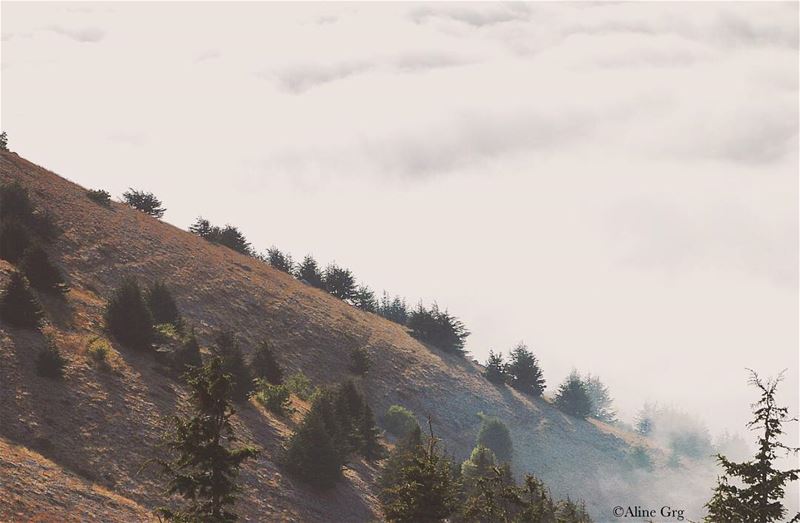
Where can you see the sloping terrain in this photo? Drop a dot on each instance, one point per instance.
(99, 427)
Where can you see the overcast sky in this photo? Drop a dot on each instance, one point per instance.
(614, 184)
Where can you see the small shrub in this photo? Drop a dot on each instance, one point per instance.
(99, 196)
(299, 385)
(42, 274)
(18, 306)
(162, 305)
(98, 351)
(229, 236)
(265, 365)
(14, 239)
(494, 435)
(274, 397)
(127, 317)
(145, 202)
(50, 363)
(187, 356)
(400, 421)
(360, 361)
(15, 203)
(280, 260)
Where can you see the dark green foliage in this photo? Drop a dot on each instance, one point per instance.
(360, 361)
(42, 274)
(205, 464)
(162, 305)
(495, 369)
(600, 397)
(438, 328)
(265, 366)
(753, 491)
(393, 309)
(524, 372)
(494, 435)
(3, 141)
(299, 385)
(400, 421)
(99, 196)
(18, 306)
(364, 299)
(572, 397)
(480, 464)
(15, 203)
(274, 397)
(310, 272)
(14, 240)
(311, 454)
(229, 236)
(368, 434)
(233, 363)
(187, 355)
(50, 363)
(145, 202)
(340, 282)
(127, 317)
(418, 484)
(280, 260)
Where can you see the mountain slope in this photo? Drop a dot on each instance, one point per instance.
(105, 425)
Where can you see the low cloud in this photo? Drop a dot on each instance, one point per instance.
(84, 35)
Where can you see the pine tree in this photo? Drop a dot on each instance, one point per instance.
(393, 309)
(364, 299)
(205, 463)
(233, 363)
(162, 305)
(753, 491)
(265, 365)
(439, 328)
(280, 260)
(572, 397)
(524, 372)
(495, 368)
(600, 398)
(360, 361)
(15, 203)
(18, 306)
(311, 454)
(422, 487)
(127, 317)
(41, 272)
(14, 239)
(50, 363)
(145, 202)
(368, 434)
(3, 141)
(340, 282)
(309, 272)
(495, 435)
(187, 355)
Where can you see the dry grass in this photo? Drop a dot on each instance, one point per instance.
(104, 426)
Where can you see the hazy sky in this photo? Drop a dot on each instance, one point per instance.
(615, 184)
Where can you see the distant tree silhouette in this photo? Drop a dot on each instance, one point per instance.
(495, 435)
(205, 462)
(310, 272)
(99, 196)
(340, 282)
(227, 348)
(753, 491)
(203, 228)
(18, 306)
(280, 260)
(127, 317)
(524, 372)
(265, 365)
(364, 299)
(3, 141)
(229, 236)
(495, 368)
(393, 309)
(572, 397)
(162, 304)
(14, 240)
(42, 274)
(600, 397)
(438, 328)
(145, 202)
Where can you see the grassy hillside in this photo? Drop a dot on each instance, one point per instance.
(96, 428)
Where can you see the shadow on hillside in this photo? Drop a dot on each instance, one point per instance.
(57, 309)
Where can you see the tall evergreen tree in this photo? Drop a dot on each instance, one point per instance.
(438, 328)
(188, 354)
(524, 371)
(753, 491)
(371, 447)
(265, 365)
(572, 397)
(205, 464)
(495, 368)
(393, 309)
(233, 363)
(310, 272)
(340, 282)
(127, 317)
(422, 487)
(18, 306)
(280, 260)
(162, 305)
(600, 397)
(311, 453)
(364, 299)
(41, 272)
